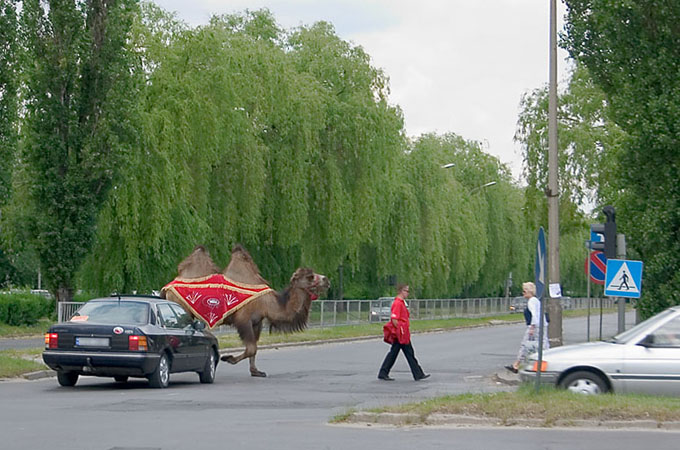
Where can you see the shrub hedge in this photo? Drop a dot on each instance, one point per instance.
(24, 308)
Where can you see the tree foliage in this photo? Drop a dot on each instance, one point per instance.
(9, 85)
(632, 50)
(588, 140)
(77, 90)
(588, 145)
(240, 131)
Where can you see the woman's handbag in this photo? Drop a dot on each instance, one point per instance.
(389, 333)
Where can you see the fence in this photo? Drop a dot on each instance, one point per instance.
(330, 313)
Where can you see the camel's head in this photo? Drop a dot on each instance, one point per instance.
(315, 284)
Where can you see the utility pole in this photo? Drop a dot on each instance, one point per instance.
(554, 304)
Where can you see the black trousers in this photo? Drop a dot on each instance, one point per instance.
(391, 357)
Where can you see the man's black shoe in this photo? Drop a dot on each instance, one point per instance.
(386, 378)
(511, 369)
(425, 375)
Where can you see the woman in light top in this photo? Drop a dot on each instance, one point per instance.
(532, 316)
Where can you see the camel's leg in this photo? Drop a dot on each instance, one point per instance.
(257, 329)
(247, 335)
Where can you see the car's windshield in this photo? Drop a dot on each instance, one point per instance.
(113, 312)
(649, 324)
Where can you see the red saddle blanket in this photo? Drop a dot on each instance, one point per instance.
(212, 298)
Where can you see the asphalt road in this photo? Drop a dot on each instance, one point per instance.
(290, 409)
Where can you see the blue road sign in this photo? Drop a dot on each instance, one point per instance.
(596, 237)
(623, 278)
(539, 266)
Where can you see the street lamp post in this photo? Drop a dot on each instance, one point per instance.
(490, 183)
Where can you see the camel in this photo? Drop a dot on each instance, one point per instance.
(287, 311)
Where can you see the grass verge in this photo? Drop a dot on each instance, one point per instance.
(14, 363)
(548, 405)
(36, 330)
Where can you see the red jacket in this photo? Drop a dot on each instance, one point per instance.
(400, 312)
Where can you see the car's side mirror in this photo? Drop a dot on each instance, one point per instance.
(647, 341)
(199, 325)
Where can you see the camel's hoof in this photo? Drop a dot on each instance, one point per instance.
(229, 358)
(257, 373)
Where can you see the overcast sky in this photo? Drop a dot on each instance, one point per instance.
(456, 66)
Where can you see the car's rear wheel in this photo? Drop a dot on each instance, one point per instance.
(208, 374)
(121, 378)
(67, 378)
(160, 378)
(584, 382)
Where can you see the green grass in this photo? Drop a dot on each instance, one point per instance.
(14, 363)
(549, 405)
(36, 330)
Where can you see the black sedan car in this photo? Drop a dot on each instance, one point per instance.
(131, 336)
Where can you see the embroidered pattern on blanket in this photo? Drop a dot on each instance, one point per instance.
(212, 298)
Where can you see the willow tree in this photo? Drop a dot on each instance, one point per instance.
(77, 91)
(230, 136)
(355, 173)
(285, 142)
(472, 234)
(199, 174)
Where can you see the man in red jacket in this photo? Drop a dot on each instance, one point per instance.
(400, 324)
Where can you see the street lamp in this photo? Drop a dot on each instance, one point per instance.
(490, 183)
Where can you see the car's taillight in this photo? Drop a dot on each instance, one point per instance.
(51, 340)
(137, 343)
(544, 366)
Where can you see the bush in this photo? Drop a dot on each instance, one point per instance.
(23, 308)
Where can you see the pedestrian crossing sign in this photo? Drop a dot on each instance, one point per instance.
(623, 278)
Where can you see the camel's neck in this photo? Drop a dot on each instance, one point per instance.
(291, 311)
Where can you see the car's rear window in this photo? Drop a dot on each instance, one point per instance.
(113, 312)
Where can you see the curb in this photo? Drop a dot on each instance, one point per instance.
(506, 378)
(39, 374)
(461, 420)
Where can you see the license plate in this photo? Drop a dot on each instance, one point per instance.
(92, 342)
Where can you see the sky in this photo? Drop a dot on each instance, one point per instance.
(457, 66)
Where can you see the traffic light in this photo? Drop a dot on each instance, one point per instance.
(608, 231)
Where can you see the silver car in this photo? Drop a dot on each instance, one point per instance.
(381, 309)
(644, 359)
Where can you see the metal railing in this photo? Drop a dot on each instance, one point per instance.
(330, 313)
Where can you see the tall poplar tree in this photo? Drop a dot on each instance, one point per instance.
(8, 116)
(8, 94)
(78, 91)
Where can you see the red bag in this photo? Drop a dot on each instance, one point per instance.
(389, 333)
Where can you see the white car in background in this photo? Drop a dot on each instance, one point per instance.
(381, 309)
(644, 359)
